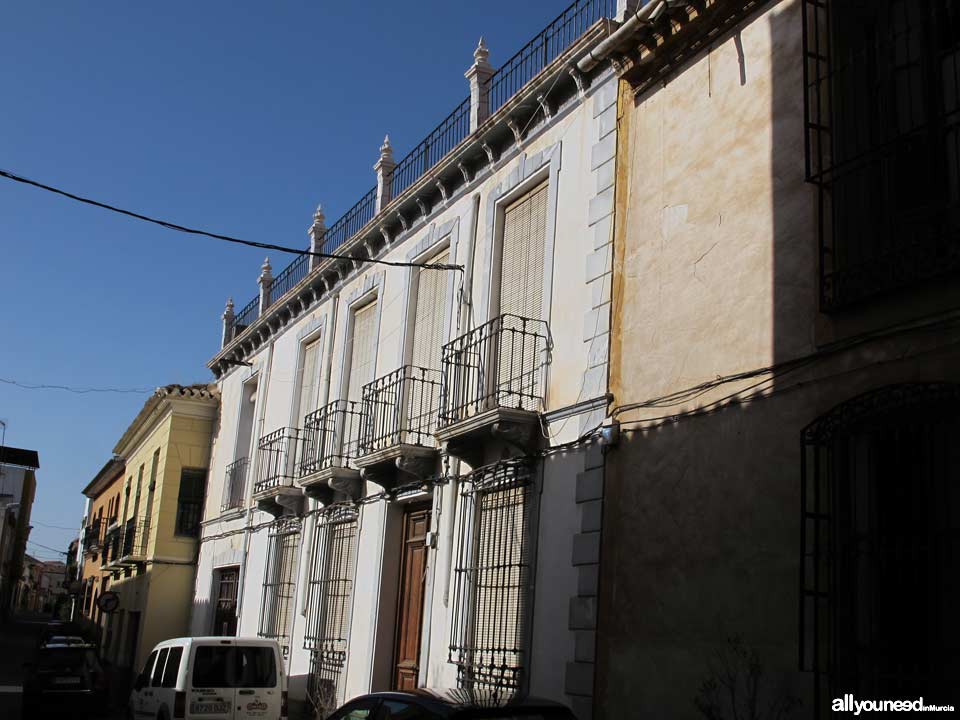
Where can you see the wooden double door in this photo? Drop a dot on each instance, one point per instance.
(413, 569)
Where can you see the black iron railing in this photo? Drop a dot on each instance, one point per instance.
(493, 577)
(331, 437)
(134, 544)
(289, 277)
(545, 47)
(882, 116)
(351, 222)
(429, 151)
(247, 316)
(112, 546)
(280, 582)
(235, 485)
(401, 408)
(276, 459)
(501, 364)
(189, 515)
(93, 535)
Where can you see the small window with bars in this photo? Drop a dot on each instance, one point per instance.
(330, 601)
(193, 484)
(279, 582)
(882, 116)
(493, 577)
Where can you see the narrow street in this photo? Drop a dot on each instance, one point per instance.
(19, 638)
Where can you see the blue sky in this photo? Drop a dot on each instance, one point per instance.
(235, 117)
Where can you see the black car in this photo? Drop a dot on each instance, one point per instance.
(64, 675)
(449, 705)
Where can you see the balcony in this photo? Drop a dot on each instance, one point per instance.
(399, 418)
(235, 485)
(133, 543)
(93, 537)
(275, 470)
(112, 546)
(494, 381)
(329, 447)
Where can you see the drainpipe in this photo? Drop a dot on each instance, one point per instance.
(645, 15)
(242, 579)
(463, 322)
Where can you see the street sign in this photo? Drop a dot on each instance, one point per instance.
(108, 602)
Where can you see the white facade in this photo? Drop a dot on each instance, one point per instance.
(564, 142)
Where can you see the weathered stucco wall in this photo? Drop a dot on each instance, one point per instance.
(716, 273)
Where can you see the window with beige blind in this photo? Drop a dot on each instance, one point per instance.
(521, 268)
(428, 323)
(363, 345)
(308, 379)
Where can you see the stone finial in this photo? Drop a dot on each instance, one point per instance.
(316, 232)
(482, 53)
(384, 168)
(228, 323)
(265, 280)
(479, 76)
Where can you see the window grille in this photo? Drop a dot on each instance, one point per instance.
(193, 484)
(330, 600)
(882, 112)
(879, 563)
(279, 581)
(234, 485)
(493, 577)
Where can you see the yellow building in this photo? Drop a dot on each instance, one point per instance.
(151, 550)
(103, 493)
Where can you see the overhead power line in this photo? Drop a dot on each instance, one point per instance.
(218, 236)
(77, 390)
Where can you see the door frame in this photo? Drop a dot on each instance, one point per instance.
(407, 510)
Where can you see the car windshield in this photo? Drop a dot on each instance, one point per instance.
(216, 666)
(66, 659)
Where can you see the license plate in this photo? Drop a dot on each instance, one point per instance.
(66, 681)
(209, 708)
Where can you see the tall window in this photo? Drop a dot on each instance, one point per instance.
(493, 577)
(521, 267)
(363, 345)
(193, 483)
(880, 560)
(330, 601)
(428, 325)
(882, 112)
(279, 581)
(309, 379)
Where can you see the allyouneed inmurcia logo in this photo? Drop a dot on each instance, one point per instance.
(849, 704)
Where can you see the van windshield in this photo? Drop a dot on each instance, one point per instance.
(243, 666)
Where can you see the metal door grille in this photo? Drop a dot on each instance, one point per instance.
(880, 546)
(279, 581)
(493, 577)
(330, 600)
(882, 114)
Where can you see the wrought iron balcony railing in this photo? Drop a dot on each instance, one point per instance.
(533, 57)
(93, 535)
(276, 459)
(331, 437)
(135, 534)
(112, 546)
(235, 485)
(401, 408)
(501, 364)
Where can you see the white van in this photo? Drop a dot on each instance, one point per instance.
(214, 678)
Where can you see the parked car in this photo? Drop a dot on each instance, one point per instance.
(450, 705)
(65, 675)
(216, 678)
